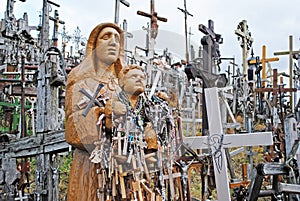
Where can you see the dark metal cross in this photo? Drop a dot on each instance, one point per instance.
(117, 9)
(210, 44)
(93, 100)
(153, 16)
(186, 13)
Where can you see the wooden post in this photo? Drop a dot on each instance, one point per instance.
(290, 53)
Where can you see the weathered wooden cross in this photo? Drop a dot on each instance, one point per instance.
(275, 89)
(217, 141)
(290, 52)
(153, 16)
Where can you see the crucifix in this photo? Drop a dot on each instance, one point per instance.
(290, 52)
(264, 60)
(154, 26)
(217, 141)
(246, 42)
(210, 43)
(56, 21)
(186, 13)
(117, 9)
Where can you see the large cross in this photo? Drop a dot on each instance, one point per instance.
(117, 9)
(264, 60)
(216, 141)
(210, 44)
(153, 16)
(290, 52)
(246, 43)
(186, 13)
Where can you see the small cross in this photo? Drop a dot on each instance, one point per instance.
(93, 99)
(22, 198)
(290, 52)
(153, 16)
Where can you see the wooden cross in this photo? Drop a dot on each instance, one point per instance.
(93, 99)
(117, 9)
(210, 45)
(247, 40)
(290, 53)
(275, 88)
(153, 16)
(186, 13)
(264, 60)
(22, 198)
(217, 142)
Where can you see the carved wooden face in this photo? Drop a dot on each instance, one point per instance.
(108, 46)
(134, 82)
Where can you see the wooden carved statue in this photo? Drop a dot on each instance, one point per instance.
(89, 86)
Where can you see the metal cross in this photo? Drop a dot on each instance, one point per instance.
(117, 9)
(21, 198)
(290, 52)
(126, 35)
(186, 13)
(93, 99)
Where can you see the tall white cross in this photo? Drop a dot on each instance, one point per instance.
(217, 141)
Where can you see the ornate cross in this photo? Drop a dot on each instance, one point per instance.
(246, 42)
(210, 44)
(117, 9)
(290, 52)
(93, 99)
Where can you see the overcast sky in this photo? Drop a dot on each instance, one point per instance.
(270, 21)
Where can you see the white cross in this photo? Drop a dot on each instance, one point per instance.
(21, 198)
(217, 142)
